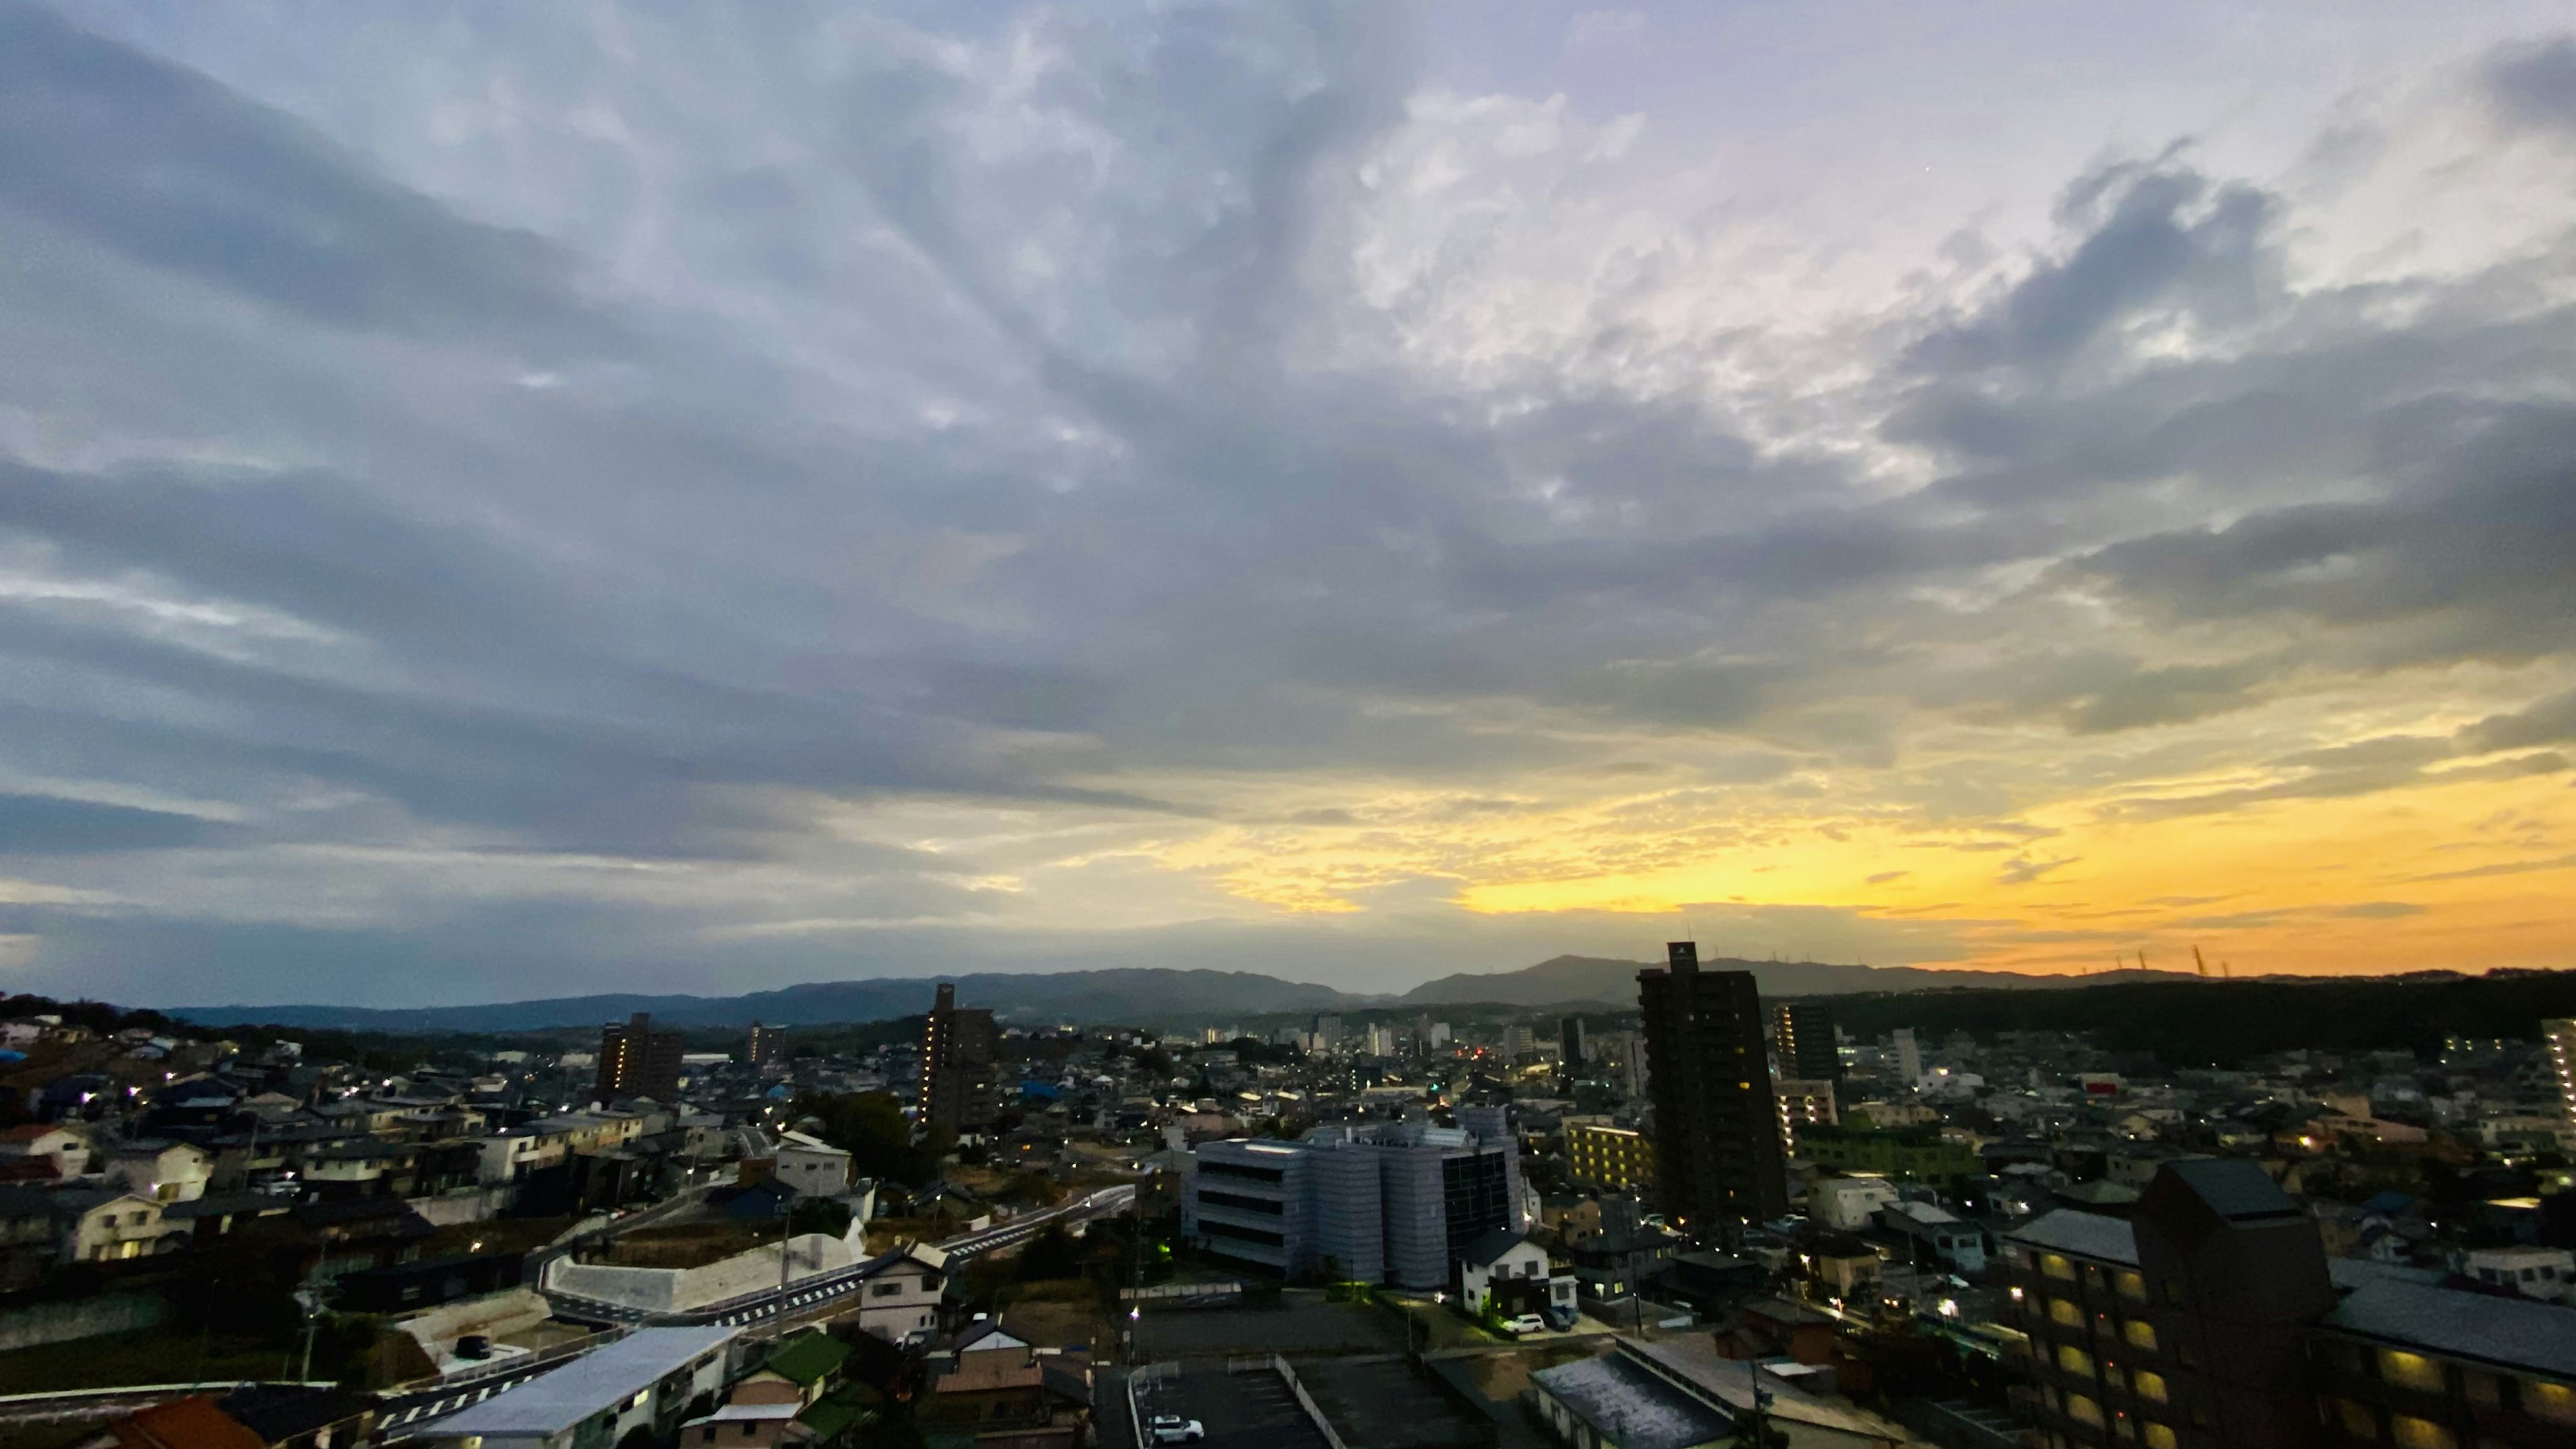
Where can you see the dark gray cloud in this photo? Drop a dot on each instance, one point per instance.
(40, 825)
(2534, 84)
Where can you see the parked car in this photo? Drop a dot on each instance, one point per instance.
(1527, 1323)
(1173, 1429)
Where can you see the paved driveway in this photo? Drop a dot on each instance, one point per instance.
(1251, 1410)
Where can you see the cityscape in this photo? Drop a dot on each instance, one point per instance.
(1287, 724)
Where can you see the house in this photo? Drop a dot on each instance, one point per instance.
(1496, 1258)
(813, 1166)
(801, 1370)
(903, 1290)
(1935, 1235)
(42, 1151)
(162, 1171)
(1025, 1399)
(644, 1382)
(1845, 1264)
(1771, 1328)
(1848, 1203)
(105, 1225)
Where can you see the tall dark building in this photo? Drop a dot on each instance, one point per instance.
(957, 1051)
(1570, 1044)
(1802, 1032)
(637, 1061)
(1718, 1159)
(768, 1046)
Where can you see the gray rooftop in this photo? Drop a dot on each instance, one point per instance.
(2086, 1235)
(553, 1402)
(2515, 1332)
(1630, 1406)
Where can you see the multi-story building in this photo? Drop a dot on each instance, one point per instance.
(2212, 1319)
(1614, 1159)
(1802, 1033)
(637, 1061)
(958, 1047)
(1394, 1203)
(1804, 1102)
(1572, 1051)
(1717, 1126)
(2561, 1036)
(767, 1048)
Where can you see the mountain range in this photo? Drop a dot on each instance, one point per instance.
(1139, 995)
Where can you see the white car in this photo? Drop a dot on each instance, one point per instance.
(1173, 1429)
(1526, 1324)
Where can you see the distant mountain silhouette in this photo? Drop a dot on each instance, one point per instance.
(1139, 994)
(1595, 979)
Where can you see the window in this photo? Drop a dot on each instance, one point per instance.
(2074, 1360)
(2055, 1265)
(2554, 1402)
(2133, 1286)
(2083, 1410)
(2151, 1387)
(2410, 1370)
(2414, 1433)
(2064, 1311)
(884, 1290)
(2358, 1420)
(2139, 1332)
(2155, 1435)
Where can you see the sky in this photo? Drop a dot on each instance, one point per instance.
(502, 501)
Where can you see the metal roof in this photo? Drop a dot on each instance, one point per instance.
(2513, 1331)
(2086, 1235)
(553, 1402)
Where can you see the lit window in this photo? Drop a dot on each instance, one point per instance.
(2150, 1386)
(2056, 1266)
(2133, 1286)
(2555, 1402)
(2083, 1410)
(2064, 1311)
(2410, 1370)
(2074, 1360)
(2140, 1332)
(2414, 1433)
(2155, 1435)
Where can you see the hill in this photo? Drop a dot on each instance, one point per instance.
(1578, 979)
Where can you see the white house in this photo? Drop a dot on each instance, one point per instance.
(65, 1151)
(643, 1382)
(1846, 1203)
(165, 1172)
(902, 1294)
(812, 1166)
(1501, 1257)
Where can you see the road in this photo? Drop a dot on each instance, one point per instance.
(400, 1415)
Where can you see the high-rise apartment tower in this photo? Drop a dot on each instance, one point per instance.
(958, 1045)
(637, 1061)
(1718, 1160)
(1802, 1033)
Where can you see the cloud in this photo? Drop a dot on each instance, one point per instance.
(679, 492)
(2534, 84)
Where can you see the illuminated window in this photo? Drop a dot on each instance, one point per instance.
(2133, 1286)
(2074, 1360)
(2065, 1311)
(2155, 1435)
(2410, 1370)
(2083, 1410)
(2056, 1266)
(2358, 1420)
(2150, 1386)
(2139, 1332)
(2414, 1433)
(2549, 1401)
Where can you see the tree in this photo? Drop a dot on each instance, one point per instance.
(1050, 1255)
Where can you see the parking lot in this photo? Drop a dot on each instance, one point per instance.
(1385, 1403)
(1301, 1324)
(1250, 1410)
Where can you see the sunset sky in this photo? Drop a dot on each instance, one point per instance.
(503, 500)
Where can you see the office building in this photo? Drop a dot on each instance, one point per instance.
(1328, 1032)
(1802, 1036)
(1381, 1040)
(1394, 1203)
(637, 1061)
(1439, 1034)
(1492, 1128)
(767, 1049)
(1614, 1159)
(1571, 1048)
(1634, 1078)
(958, 1047)
(1718, 1163)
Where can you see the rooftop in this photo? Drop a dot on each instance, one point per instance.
(2515, 1332)
(553, 1402)
(2086, 1235)
(1626, 1404)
